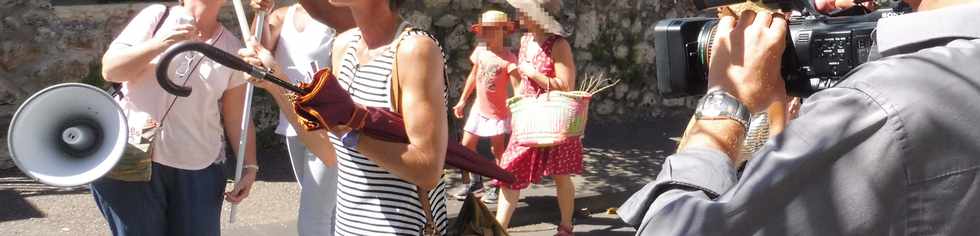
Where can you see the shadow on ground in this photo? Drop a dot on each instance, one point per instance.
(618, 161)
(15, 187)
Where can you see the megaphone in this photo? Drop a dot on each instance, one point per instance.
(67, 135)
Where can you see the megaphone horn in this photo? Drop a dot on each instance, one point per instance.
(67, 135)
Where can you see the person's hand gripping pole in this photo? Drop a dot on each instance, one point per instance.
(247, 109)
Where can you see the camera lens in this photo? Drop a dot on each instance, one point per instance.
(706, 39)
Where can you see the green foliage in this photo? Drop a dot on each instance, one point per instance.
(94, 76)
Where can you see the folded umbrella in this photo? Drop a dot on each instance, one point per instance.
(323, 103)
(328, 103)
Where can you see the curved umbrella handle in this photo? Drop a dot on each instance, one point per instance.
(216, 55)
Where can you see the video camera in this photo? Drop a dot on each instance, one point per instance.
(821, 48)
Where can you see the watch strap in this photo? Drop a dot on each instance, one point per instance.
(717, 104)
(350, 139)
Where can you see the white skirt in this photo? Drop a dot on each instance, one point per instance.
(483, 126)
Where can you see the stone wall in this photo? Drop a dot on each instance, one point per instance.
(611, 37)
(42, 45)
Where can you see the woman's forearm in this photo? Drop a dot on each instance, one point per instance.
(317, 141)
(120, 65)
(548, 82)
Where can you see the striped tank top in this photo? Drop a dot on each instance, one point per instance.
(370, 200)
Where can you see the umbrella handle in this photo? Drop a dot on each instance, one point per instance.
(216, 55)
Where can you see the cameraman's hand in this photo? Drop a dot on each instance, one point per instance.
(746, 58)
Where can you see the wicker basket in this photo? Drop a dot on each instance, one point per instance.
(550, 118)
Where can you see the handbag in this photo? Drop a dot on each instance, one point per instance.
(475, 219)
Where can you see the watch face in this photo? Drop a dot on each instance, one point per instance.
(714, 105)
(716, 100)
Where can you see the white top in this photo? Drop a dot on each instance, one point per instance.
(192, 136)
(301, 54)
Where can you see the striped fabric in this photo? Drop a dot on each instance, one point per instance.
(370, 200)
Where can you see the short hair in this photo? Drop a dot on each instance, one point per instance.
(395, 4)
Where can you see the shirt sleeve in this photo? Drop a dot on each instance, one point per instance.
(140, 29)
(697, 191)
(233, 44)
(475, 56)
(236, 79)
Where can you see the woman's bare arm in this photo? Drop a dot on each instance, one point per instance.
(421, 161)
(317, 141)
(121, 64)
(564, 79)
(270, 36)
(564, 66)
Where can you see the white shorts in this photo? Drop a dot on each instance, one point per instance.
(483, 126)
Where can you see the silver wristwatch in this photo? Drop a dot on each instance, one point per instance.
(719, 105)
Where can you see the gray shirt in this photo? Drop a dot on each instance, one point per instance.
(892, 150)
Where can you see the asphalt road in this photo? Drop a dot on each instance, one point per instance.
(619, 160)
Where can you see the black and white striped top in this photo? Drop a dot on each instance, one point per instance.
(370, 200)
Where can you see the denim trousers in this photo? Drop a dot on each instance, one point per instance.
(173, 202)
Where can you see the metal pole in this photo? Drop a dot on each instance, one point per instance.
(247, 110)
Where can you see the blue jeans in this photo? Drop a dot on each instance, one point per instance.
(173, 202)
(318, 190)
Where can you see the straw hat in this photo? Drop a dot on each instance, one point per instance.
(493, 18)
(542, 12)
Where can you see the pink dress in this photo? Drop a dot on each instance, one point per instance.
(529, 164)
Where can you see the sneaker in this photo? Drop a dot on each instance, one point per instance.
(461, 193)
(491, 196)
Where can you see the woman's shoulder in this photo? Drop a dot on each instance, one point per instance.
(417, 43)
(343, 39)
(155, 8)
(278, 16)
(416, 35)
(150, 15)
(348, 36)
(557, 41)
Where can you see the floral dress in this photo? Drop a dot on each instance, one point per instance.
(529, 164)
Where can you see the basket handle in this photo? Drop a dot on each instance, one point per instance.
(547, 90)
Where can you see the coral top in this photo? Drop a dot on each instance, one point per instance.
(492, 78)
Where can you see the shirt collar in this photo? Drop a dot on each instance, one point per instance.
(949, 22)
